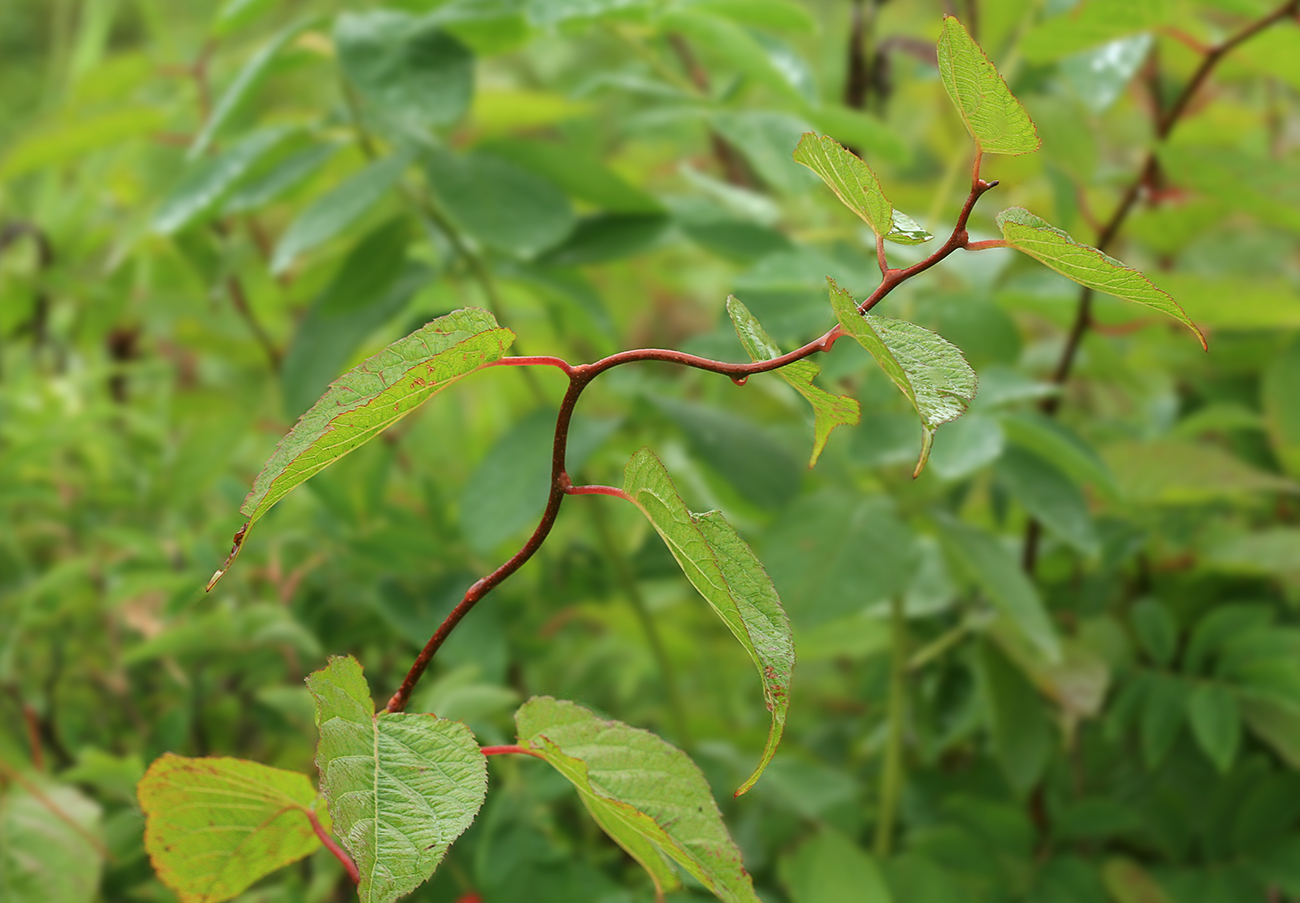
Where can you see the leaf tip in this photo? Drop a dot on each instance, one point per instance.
(230, 559)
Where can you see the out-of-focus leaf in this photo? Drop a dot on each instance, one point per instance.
(50, 847)
(1050, 496)
(286, 175)
(1274, 722)
(993, 116)
(1054, 442)
(371, 397)
(236, 14)
(208, 181)
(830, 868)
(829, 411)
(1217, 628)
(649, 797)
(1176, 472)
(968, 445)
(401, 787)
(214, 826)
(724, 569)
(1128, 882)
(1086, 265)
(1023, 738)
(1099, 76)
(582, 175)
(548, 13)
(857, 187)
(413, 73)
(337, 209)
(717, 35)
(928, 369)
(63, 142)
(785, 16)
(859, 129)
(1274, 552)
(1215, 719)
(1164, 708)
(1092, 23)
(766, 138)
(981, 556)
(1282, 406)
(1243, 181)
(498, 204)
(1156, 630)
(603, 237)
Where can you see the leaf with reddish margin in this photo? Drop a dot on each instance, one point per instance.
(993, 116)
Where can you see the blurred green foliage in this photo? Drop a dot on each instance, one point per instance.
(207, 211)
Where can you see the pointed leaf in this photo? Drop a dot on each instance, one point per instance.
(214, 826)
(1215, 719)
(368, 399)
(857, 187)
(926, 367)
(829, 411)
(993, 116)
(648, 796)
(1085, 265)
(725, 570)
(401, 787)
(208, 181)
(50, 851)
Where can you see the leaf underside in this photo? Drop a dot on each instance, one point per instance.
(994, 117)
(1086, 265)
(368, 399)
(730, 577)
(829, 411)
(401, 787)
(648, 796)
(216, 825)
(926, 367)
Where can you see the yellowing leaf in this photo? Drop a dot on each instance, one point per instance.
(214, 826)
(926, 367)
(729, 576)
(829, 411)
(993, 116)
(648, 796)
(1085, 265)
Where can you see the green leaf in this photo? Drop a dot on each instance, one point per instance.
(50, 851)
(411, 72)
(401, 787)
(499, 204)
(1049, 496)
(829, 411)
(1128, 882)
(927, 368)
(214, 826)
(1173, 472)
(1164, 707)
(1281, 404)
(1156, 630)
(208, 181)
(724, 569)
(830, 868)
(857, 188)
(1276, 723)
(719, 36)
(581, 174)
(371, 397)
(1216, 723)
(648, 796)
(62, 142)
(1023, 739)
(785, 16)
(1099, 76)
(235, 14)
(1054, 442)
(993, 116)
(1086, 265)
(549, 13)
(986, 561)
(337, 209)
(283, 177)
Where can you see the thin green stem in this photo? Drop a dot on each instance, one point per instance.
(891, 772)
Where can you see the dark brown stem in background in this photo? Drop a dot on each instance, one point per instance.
(1166, 121)
(581, 375)
(732, 164)
(333, 846)
(857, 80)
(240, 299)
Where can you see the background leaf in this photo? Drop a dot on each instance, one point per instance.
(49, 843)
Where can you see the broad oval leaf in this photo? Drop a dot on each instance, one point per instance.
(731, 579)
(214, 826)
(993, 116)
(647, 795)
(829, 411)
(858, 188)
(1086, 265)
(1215, 719)
(926, 367)
(401, 787)
(50, 850)
(368, 399)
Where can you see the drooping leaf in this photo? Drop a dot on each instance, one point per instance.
(411, 72)
(337, 209)
(993, 116)
(1215, 719)
(648, 796)
(927, 368)
(857, 188)
(986, 561)
(50, 851)
(829, 411)
(208, 181)
(401, 787)
(214, 826)
(1085, 265)
(368, 399)
(725, 570)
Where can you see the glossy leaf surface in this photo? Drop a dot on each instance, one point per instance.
(725, 570)
(993, 116)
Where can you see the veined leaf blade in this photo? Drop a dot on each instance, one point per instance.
(731, 579)
(401, 787)
(648, 796)
(214, 826)
(926, 367)
(829, 411)
(1086, 265)
(994, 117)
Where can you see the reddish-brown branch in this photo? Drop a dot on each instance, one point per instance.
(581, 375)
(505, 750)
(333, 846)
(536, 360)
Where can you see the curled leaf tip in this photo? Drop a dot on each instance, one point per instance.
(230, 559)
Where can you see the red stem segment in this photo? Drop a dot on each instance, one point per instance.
(333, 846)
(581, 375)
(505, 750)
